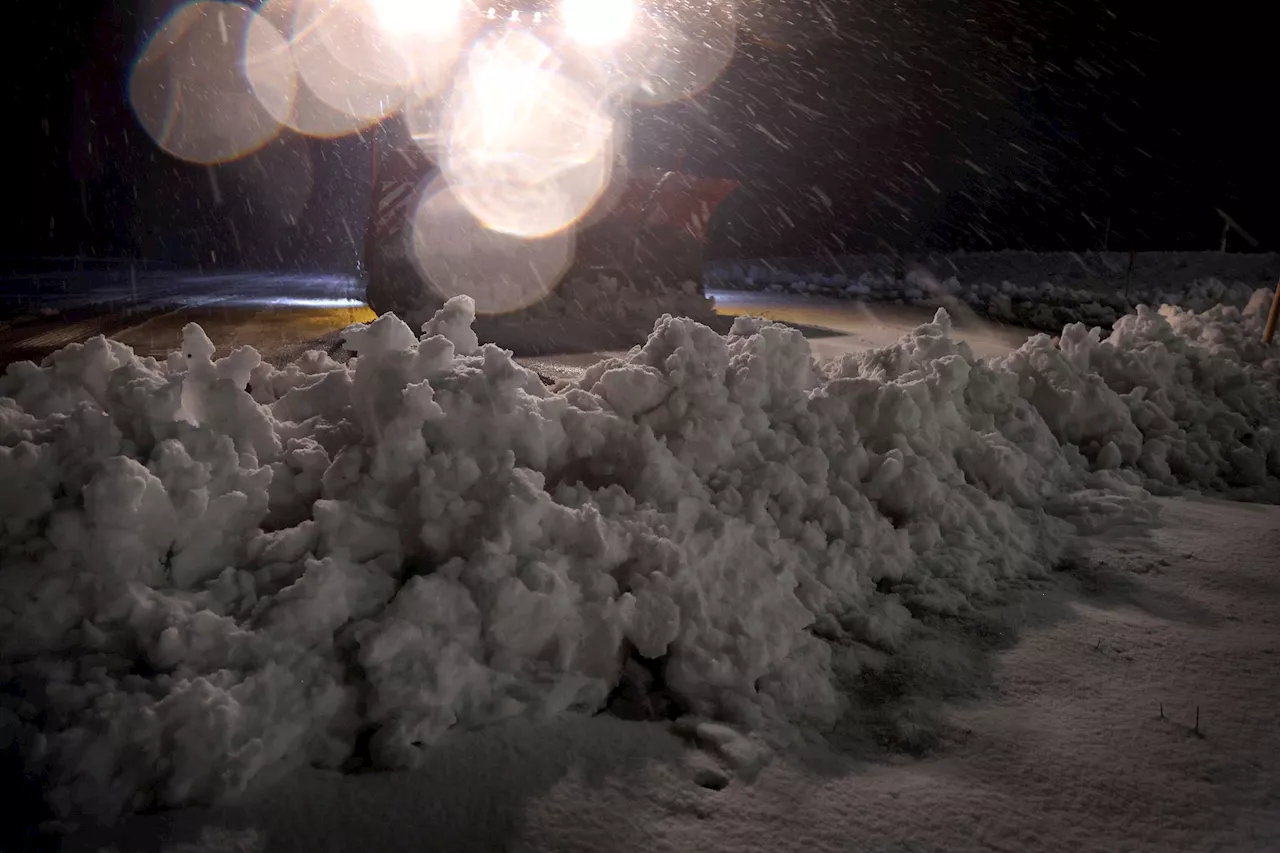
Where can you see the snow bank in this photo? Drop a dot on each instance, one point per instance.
(216, 569)
(1043, 290)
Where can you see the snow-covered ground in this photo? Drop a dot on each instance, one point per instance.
(218, 574)
(1069, 725)
(833, 327)
(1042, 290)
(836, 327)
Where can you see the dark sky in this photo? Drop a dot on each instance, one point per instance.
(901, 124)
(929, 123)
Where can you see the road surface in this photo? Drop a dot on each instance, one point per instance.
(279, 314)
(283, 314)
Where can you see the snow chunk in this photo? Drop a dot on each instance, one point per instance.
(453, 322)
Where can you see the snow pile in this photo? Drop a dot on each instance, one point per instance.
(1189, 399)
(215, 569)
(1041, 290)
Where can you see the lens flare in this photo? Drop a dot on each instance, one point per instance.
(525, 149)
(685, 47)
(597, 22)
(425, 122)
(341, 68)
(431, 35)
(191, 91)
(418, 17)
(455, 253)
(304, 111)
(269, 66)
(347, 60)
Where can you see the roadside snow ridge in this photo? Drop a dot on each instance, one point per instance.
(213, 568)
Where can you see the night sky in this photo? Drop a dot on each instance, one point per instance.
(853, 126)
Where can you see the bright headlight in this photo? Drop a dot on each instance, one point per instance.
(597, 22)
(417, 17)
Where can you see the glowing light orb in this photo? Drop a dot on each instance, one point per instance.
(272, 68)
(597, 22)
(686, 47)
(418, 17)
(347, 60)
(457, 254)
(524, 148)
(190, 87)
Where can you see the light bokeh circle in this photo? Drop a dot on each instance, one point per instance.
(191, 90)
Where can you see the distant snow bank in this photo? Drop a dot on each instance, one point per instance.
(213, 569)
(1042, 290)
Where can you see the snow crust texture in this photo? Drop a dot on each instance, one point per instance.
(1041, 290)
(215, 569)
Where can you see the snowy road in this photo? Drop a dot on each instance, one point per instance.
(130, 288)
(280, 314)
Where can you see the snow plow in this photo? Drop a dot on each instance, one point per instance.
(514, 187)
(638, 255)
